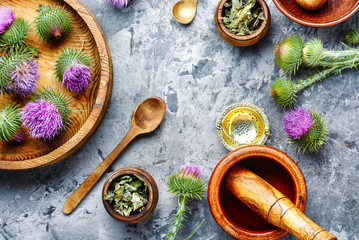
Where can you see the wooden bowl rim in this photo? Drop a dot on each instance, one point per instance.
(152, 193)
(98, 109)
(227, 163)
(311, 24)
(218, 15)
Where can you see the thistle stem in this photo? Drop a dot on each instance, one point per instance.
(301, 84)
(339, 54)
(178, 219)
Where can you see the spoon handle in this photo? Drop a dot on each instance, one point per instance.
(91, 180)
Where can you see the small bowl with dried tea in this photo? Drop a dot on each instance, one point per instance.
(242, 22)
(130, 195)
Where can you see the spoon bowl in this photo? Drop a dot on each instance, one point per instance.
(184, 11)
(149, 114)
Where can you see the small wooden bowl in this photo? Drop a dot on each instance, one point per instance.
(275, 167)
(241, 40)
(152, 192)
(331, 13)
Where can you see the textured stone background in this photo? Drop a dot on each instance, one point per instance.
(198, 75)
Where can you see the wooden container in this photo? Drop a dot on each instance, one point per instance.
(331, 13)
(88, 108)
(152, 193)
(241, 40)
(275, 167)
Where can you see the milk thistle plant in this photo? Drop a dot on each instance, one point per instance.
(305, 129)
(14, 38)
(18, 73)
(72, 69)
(53, 23)
(10, 123)
(46, 115)
(186, 184)
(290, 55)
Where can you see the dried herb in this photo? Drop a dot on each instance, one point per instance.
(127, 195)
(243, 17)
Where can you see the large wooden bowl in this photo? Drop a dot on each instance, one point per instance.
(271, 164)
(331, 13)
(89, 107)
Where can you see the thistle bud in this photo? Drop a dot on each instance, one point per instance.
(289, 53)
(53, 23)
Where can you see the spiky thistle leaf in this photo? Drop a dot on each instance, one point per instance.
(352, 36)
(10, 122)
(8, 64)
(53, 23)
(66, 59)
(283, 92)
(57, 98)
(289, 53)
(315, 136)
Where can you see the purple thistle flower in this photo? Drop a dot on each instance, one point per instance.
(119, 3)
(42, 119)
(7, 16)
(76, 78)
(193, 170)
(297, 122)
(24, 78)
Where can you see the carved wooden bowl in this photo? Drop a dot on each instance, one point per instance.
(331, 13)
(152, 191)
(88, 107)
(241, 40)
(275, 167)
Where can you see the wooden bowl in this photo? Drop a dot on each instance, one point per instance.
(89, 107)
(241, 40)
(152, 192)
(275, 167)
(331, 13)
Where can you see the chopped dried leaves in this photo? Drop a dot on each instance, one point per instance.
(127, 195)
(243, 17)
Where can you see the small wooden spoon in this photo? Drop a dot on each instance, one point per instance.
(184, 11)
(145, 118)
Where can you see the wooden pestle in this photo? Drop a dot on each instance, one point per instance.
(272, 205)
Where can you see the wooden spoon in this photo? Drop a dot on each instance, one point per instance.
(145, 118)
(184, 11)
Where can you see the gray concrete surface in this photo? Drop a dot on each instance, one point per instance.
(198, 75)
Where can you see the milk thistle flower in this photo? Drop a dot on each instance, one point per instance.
(72, 69)
(14, 38)
(53, 23)
(289, 53)
(8, 64)
(7, 17)
(119, 3)
(10, 123)
(46, 115)
(186, 184)
(23, 79)
(297, 122)
(77, 77)
(306, 130)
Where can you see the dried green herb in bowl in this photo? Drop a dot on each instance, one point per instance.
(127, 195)
(243, 17)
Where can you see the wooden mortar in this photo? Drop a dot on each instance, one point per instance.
(272, 165)
(272, 205)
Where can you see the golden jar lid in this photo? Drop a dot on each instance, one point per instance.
(242, 124)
